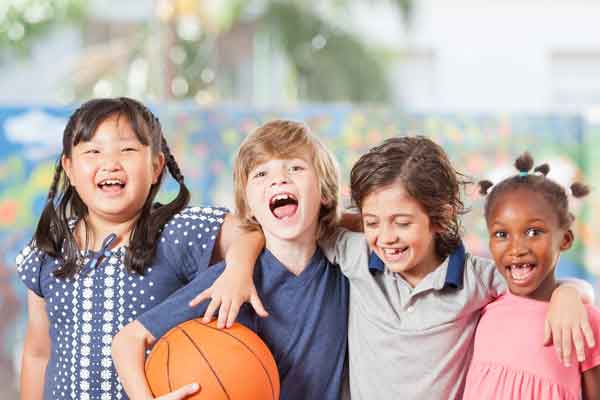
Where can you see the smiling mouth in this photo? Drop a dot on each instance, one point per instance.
(520, 272)
(393, 253)
(111, 184)
(283, 205)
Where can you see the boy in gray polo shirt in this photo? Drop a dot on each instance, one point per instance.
(416, 295)
(413, 312)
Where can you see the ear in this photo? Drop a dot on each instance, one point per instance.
(158, 164)
(67, 167)
(567, 240)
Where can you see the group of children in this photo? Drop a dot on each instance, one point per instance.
(399, 310)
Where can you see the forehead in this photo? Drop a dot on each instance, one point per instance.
(263, 159)
(392, 200)
(523, 203)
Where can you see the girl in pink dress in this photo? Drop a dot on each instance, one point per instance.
(529, 225)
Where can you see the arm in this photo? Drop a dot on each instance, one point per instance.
(590, 384)
(36, 351)
(235, 286)
(128, 352)
(567, 320)
(351, 221)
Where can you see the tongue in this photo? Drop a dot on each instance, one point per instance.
(111, 188)
(285, 211)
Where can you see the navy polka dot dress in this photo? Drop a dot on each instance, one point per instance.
(86, 311)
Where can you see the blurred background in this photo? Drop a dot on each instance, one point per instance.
(487, 79)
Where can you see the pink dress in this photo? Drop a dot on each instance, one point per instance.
(510, 361)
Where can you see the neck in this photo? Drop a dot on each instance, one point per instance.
(545, 290)
(99, 229)
(293, 254)
(415, 275)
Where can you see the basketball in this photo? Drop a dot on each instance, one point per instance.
(228, 364)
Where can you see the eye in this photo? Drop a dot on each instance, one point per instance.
(532, 232)
(370, 224)
(129, 149)
(499, 235)
(402, 224)
(297, 168)
(259, 174)
(91, 151)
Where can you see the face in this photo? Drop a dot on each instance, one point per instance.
(285, 198)
(526, 241)
(399, 231)
(113, 171)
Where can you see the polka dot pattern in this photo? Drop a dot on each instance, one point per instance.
(87, 310)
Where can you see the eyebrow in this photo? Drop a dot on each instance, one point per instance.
(392, 216)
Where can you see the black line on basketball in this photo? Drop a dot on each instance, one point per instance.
(169, 365)
(249, 349)
(207, 362)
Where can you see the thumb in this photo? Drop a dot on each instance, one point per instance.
(258, 306)
(182, 392)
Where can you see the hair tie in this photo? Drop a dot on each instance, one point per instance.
(523, 173)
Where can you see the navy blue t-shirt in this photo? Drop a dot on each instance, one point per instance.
(86, 311)
(306, 330)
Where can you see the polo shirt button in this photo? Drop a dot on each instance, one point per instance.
(410, 309)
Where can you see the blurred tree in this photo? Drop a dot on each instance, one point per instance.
(227, 50)
(22, 22)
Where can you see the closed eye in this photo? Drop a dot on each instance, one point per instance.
(91, 151)
(129, 149)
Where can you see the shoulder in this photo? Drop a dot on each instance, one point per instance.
(347, 249)
(30, 262)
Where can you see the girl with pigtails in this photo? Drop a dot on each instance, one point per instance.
(104, 251)
(529, 225)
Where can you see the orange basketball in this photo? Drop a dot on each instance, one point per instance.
(228, 364)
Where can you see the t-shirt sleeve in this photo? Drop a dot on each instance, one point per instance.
(592, 356)
(175, 309)
(29, 267)
(347, 249)
(187, 241)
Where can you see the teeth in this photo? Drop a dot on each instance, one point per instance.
(111, 182)
(282, 196)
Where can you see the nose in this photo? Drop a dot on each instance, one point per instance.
(279, 177)
(111, 163)
(518, 247)
(387, 235)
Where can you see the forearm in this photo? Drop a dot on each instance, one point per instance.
(244, 252)
(33, 371)
(128, 353)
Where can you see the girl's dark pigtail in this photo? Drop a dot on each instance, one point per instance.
(542, 169)
(48, 233)
(484, 186)
(524, 163)
(579, 190)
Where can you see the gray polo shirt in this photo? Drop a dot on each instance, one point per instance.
(405, 342)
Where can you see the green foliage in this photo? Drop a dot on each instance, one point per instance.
(22, 22)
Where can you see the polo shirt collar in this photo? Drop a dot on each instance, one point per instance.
(455, 270)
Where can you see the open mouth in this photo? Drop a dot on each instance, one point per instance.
(520, 272)
(394, 254)
(283, 205)
(111, 185)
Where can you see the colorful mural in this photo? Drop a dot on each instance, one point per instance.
(204, 143)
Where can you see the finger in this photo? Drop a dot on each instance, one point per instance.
(557, 339)
(182, 392)
(210, 310)
(578, 343)
(223, 311)
(203, 296)
(566, 347)
(588, 333)
(547, 333)
(258, 306)
(234, 310)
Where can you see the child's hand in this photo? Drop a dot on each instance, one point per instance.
(229, 291)
(181, 393)
(566, 322)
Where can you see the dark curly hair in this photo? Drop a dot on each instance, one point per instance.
(536, 181)
(425, 171)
